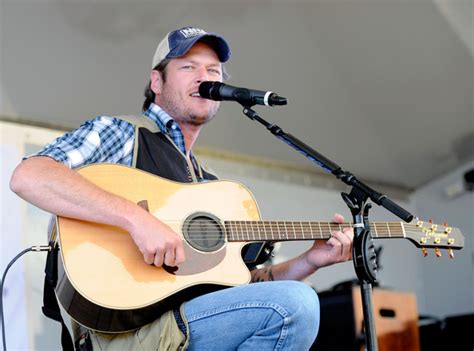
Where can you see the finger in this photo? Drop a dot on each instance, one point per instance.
(346, 244)
(336, 244)
(149, 258)
(349, 232)
(180, 256)
(338, 218)
(170, 257)
(159, 258)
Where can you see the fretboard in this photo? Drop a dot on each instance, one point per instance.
(296, 230)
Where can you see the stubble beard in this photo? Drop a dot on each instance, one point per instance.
(176, 108)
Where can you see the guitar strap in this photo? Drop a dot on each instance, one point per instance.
(50, 303)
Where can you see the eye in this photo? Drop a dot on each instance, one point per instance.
(187, 67)
(214, 71)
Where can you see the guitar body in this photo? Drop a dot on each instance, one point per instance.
(103, 281)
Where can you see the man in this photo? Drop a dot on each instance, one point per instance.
(276, 313)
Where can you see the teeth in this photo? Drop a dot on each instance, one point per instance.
(196, 94)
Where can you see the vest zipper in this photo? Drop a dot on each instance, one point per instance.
(191, 175)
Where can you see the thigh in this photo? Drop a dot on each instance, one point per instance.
(226, 319)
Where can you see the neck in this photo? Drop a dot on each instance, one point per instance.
(190, 133)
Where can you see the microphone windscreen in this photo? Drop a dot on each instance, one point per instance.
(208, 90)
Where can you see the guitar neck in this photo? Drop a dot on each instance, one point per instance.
(297, 230)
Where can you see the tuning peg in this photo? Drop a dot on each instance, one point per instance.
(430, 220)
(451, 253)
(445, 224)
(425, 251)
(438, 252)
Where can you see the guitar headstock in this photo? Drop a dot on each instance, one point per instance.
(427, 235)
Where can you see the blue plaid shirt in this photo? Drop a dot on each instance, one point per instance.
(108, 139)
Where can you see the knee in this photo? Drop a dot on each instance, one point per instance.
(305, 305)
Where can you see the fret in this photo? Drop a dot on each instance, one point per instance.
(233, 232)
(335, 227)
(236, 231)
(286, 230)
(397, 229)
(241, 231)
(375, 229)
(303, 229)
(294, 230)
(320, 230)
(228, 226)
(404, 235)
(388, 229)
(271, 232)
(325, 230)
(229, 230)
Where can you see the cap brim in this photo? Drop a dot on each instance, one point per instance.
(218, 43)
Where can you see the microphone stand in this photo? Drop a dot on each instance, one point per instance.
(363, 253)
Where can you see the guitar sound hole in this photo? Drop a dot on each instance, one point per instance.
(204, 232)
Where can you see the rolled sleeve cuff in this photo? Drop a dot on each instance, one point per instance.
(56, 154)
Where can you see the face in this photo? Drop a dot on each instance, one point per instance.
(178, 96)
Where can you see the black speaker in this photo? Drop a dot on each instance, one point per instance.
(337, 330)
(458, 333)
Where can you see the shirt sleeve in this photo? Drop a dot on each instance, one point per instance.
(103, 139)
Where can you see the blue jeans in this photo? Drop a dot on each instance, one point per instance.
(281, 315)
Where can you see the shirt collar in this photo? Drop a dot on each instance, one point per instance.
(163, 120)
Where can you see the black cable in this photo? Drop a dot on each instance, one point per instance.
(37, 248)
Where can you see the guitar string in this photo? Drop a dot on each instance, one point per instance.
(394, 228)
(306, 228)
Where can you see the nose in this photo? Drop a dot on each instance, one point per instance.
(202, 75)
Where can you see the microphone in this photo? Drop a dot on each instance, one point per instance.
(247, 97)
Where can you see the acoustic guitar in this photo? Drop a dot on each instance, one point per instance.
(105, 285)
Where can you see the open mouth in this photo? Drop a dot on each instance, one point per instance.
(196, 94)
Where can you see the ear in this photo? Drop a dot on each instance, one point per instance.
(156, 82)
